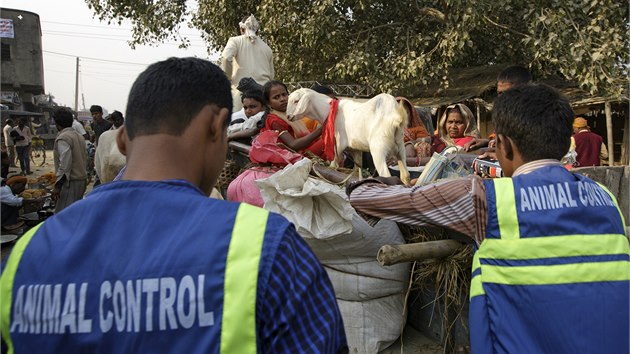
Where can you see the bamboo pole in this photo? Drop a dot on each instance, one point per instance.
(609, 131)
(483, 133)
(411, 252)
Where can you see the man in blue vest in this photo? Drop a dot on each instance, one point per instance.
(150, 264)
(551, 273)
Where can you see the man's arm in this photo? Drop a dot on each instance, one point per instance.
(229, 52)
(8, 198)
(298, 312)
(603, 152)
(272, 74)
(458, 204)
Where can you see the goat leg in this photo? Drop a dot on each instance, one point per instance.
(357, 156)
(402, 165)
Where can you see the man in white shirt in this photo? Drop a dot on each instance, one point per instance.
(8, 141)
(23, 144)
(253, 58)
(76, 125)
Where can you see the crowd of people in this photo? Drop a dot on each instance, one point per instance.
(149, 263)
(71, 149)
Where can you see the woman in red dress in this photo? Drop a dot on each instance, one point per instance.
(293, 135)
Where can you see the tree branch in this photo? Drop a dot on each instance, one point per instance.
(505, 27)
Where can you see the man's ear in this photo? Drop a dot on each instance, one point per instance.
(217, 124)
(121, 140)
(506, 146)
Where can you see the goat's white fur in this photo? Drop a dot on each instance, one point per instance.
(376, 125)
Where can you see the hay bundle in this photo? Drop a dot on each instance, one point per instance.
(450, 277)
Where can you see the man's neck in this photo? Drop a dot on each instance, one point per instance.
(158, 157)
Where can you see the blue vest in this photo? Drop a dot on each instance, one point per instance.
(141, 267)
(552, 275)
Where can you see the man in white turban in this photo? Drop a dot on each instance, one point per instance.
(253, 58)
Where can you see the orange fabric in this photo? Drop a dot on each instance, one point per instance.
(311, 124)
(415, 133)
(415, 127)
(328, 133)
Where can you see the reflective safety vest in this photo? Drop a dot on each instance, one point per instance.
(155, 304)
(553, 273)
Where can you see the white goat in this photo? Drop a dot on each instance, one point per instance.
(376, 126)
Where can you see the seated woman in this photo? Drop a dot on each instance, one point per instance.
(254, 108)
(417, 138)
(456, 127)
(293, 135)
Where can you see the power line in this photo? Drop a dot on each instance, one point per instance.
(107, 27)
(95, 59)
(97, 36)
(75, 33)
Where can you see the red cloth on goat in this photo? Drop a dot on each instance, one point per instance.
(328, 134)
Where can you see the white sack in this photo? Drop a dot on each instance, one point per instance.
(360, 317)
(367, 279)
(316, 208)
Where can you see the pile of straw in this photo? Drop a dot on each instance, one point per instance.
(449, 277)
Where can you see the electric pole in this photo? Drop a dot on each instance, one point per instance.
(76, 90)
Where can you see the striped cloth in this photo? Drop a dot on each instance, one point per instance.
(457, 204)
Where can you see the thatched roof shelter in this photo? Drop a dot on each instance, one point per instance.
(479, 83)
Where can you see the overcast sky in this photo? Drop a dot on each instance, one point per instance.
(69, 29)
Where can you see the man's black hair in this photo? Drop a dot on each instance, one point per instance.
(169, 94)
(255, 95)
(96, 108)
(9, 121)
(116, 115)
(516, 75)
(268, 86)
(63, 117)
(249, 84)
(537, 118)
(325, 90)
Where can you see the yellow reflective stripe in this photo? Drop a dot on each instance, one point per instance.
(558, 274)
(475, 263)
(506, 209)
(623, 221)
(6, 284)
(238, 329)
(476, 287)
(547, 247)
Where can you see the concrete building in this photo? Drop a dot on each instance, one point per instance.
(22, 68)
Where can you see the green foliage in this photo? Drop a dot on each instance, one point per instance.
(398, 45)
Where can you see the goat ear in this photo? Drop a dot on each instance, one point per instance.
(298, 101)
